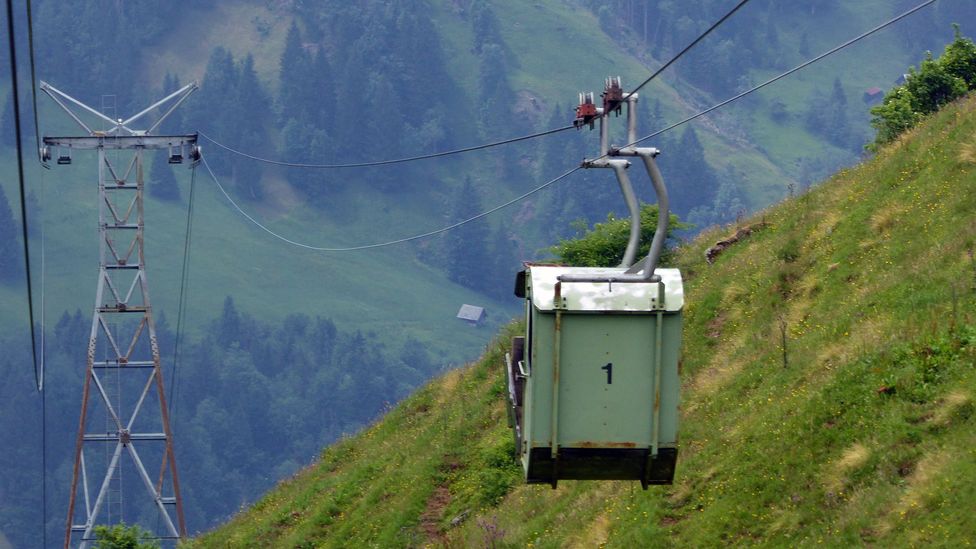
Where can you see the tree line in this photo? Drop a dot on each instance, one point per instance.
(254, 402)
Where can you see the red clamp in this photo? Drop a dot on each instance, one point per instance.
(613, 96)
(585, 111)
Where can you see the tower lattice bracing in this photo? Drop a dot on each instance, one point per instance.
(124, 465)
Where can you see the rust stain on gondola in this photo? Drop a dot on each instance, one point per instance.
(593, 444)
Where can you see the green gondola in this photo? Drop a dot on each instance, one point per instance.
(593, 384)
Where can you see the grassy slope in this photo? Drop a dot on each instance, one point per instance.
(865, 437)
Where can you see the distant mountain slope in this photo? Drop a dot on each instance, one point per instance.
(555, 49)
(860, 432)
(756, 151)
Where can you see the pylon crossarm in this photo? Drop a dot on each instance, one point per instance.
(55, 94)
(121, 142)
(185, 92)
(47, 89)
(173, 108)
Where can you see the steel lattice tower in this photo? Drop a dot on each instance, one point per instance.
(123, 360)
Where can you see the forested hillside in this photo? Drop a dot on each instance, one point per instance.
(828, 395)
(309, 345)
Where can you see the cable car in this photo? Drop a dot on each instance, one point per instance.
(593, 384)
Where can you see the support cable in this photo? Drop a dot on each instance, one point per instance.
(385, 162)
(15, 95)
(391, 242)
(44, 468)
(551, 182)
(781, 76)
(184, 283)
(41, 384)
(181, 308)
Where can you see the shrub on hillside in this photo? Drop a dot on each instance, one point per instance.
(894, 116)
(121, 536)
(959, 59)
(604, 244)
(926, 90)
(932, 86)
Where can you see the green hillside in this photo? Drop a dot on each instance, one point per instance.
(860, 433)
(558, 49)
(397, 65)
(374, 290)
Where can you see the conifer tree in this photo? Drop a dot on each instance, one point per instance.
(250, 103)
(466, 244)
(839, 129)
(691, 182)
(495, 92)
(485, 25)
(229, 325)
(295, 69)
(212, 111)
(502, 263)
(323, 341)
(382, 116)
(562, 203)
(322, 85)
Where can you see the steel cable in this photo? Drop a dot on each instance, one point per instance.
(390, 242)
(15, 97)
(654, 75)
(385, 162)
(687, 48)
(782, 75)
(184, 283)
(537, 189)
